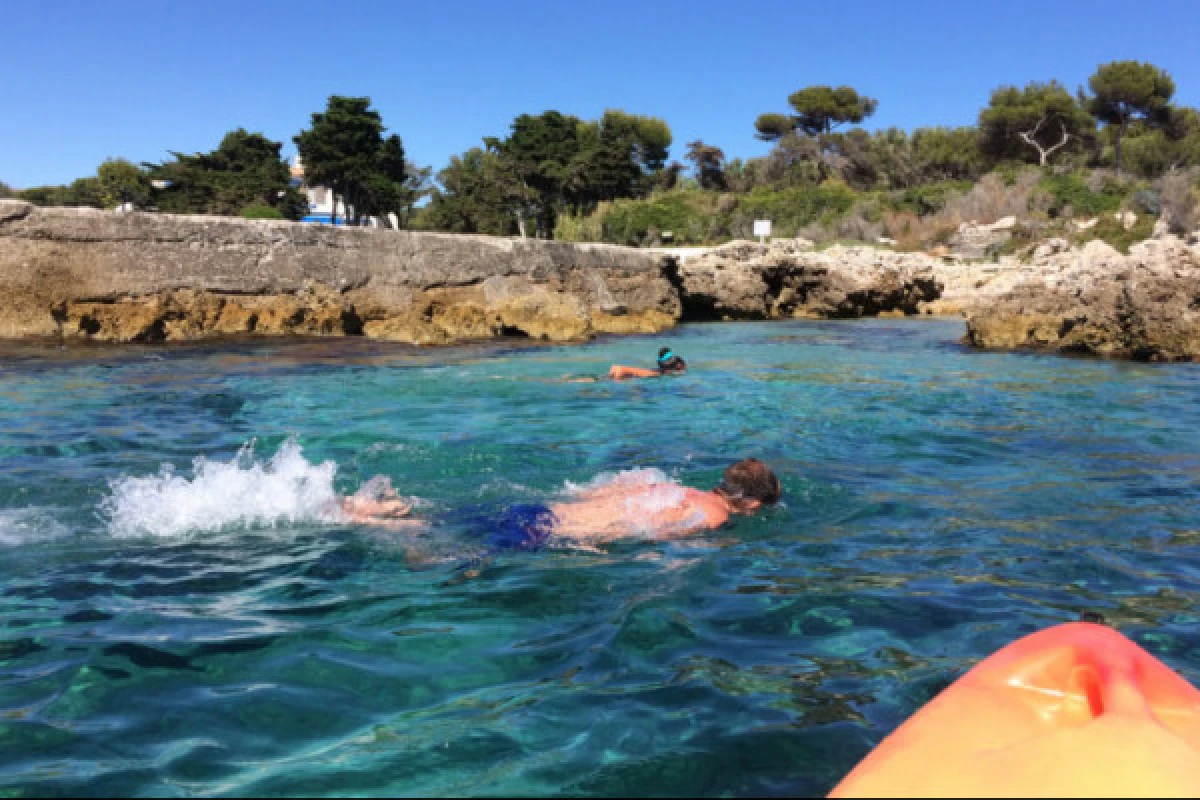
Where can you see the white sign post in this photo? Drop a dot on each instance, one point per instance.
(762, 229)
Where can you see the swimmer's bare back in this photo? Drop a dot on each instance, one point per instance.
(619, 372)
(609, 514)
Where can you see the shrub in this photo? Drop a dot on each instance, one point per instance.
(261, 212)
(1179, 196)
(1110, 230)
(913, 233)
(641, 222)
(1071, 191)
(792, 209)
(992, 198)
(930, 198)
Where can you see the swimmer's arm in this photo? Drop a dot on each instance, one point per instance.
(391, 507)
(586, 548)
(619, 372)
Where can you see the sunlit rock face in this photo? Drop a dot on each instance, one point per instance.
(84, 273)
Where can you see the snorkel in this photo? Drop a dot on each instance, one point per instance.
(664, 358)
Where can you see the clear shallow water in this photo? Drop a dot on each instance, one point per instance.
(212, 630)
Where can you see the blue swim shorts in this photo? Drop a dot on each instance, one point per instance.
(526, 526)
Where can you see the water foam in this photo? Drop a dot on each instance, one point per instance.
(23, 525)
(643, 493)
(637, 478)
(242, 493)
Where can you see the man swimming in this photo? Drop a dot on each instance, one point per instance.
(623, 509)
(667, 364)
(616, 510)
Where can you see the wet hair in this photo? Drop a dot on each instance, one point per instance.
(669, 362)
(750, 479)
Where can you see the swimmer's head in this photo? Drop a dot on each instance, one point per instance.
(669, 362)
(748, 485)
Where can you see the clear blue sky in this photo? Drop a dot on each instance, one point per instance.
(89, 79)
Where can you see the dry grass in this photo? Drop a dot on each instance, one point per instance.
(1179, 194)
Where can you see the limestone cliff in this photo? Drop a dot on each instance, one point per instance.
(1094, 300)
(158, 277)
(788, 278)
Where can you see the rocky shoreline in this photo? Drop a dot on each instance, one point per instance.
(81, 274)
(1096, 301)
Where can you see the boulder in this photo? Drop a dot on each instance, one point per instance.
(787, 279)
(1126, 219)
(975, 241)
(1094, 300)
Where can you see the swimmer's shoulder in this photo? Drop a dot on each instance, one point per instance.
(716, 512)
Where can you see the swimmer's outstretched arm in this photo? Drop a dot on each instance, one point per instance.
(619, 372)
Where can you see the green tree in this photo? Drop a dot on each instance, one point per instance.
(245, 171)
(542, 154)
(86, 192)
(619, 155)
(123, 182)
(478, 193)
(948, 154)
(43, 195)
(1127, 91)
(1174, 146)
(5, 190)
(709, 164)
(346, 151)
(81, 192)
(817, 110)
(418, 185)
(1042, 118)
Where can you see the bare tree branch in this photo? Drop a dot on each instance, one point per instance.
(1043, 152)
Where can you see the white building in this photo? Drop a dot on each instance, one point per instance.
(320, 198)
(320, 202)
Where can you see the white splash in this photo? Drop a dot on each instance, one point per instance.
(239, 494)
(638, 478)
(643, 494)
(23, 525)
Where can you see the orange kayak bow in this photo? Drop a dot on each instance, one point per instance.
(1077, 710)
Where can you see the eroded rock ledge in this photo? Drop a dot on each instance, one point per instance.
(86, 274)
(1094, 300)
(788, 278)
(82, 273)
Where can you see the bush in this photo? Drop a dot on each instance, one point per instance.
(913, 233)
(262, 212)
(791, 209)
(1071, 191)
(686, 214)
(930, 198)
(993, 197)
(1179, 196)
(1111, 231)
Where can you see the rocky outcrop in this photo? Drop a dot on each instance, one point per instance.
(973, 240)
(1094, 300)
(82, 273)
(788, 278)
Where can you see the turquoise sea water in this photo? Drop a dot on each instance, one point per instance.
(211, 630)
